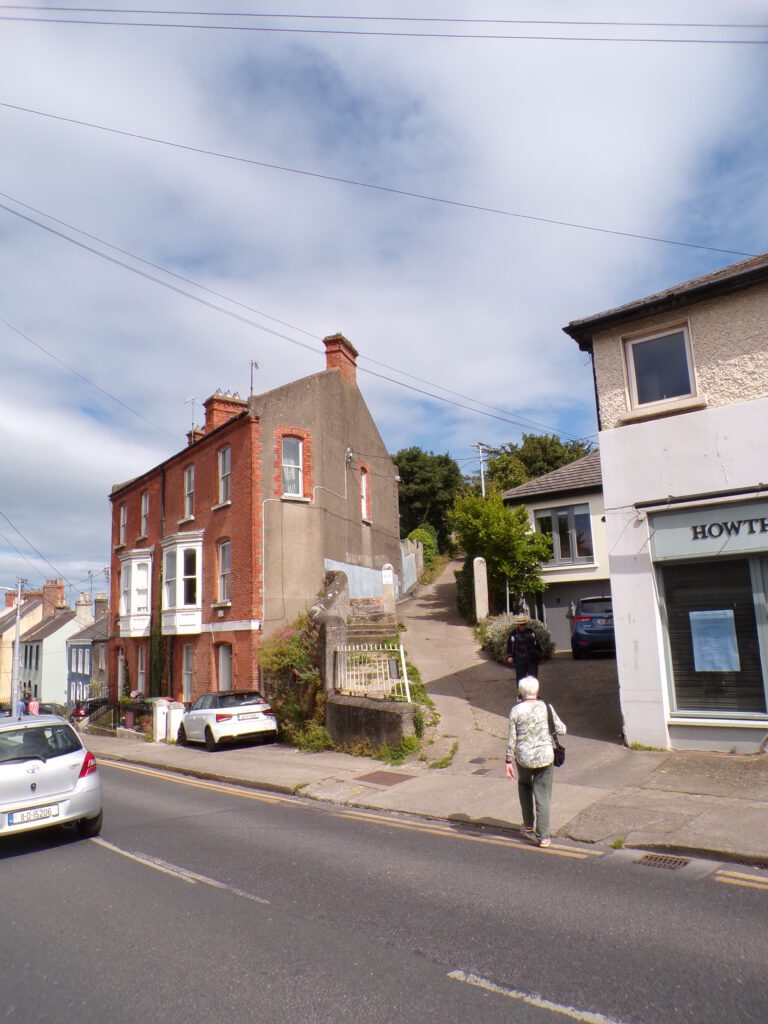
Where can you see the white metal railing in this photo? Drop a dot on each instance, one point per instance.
(371, 670)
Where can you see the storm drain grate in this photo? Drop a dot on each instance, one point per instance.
(659, 860)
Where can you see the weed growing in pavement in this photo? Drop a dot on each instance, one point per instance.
(618, 844)
(446, 761)
(397, 754)
(642, 746)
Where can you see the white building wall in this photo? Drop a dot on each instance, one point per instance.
(717, 449)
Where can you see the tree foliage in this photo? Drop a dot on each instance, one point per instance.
(536, 455)
(486, 528)
(428, 487)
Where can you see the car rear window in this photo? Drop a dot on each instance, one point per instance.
(596, 606)
(44, 741)
(233, 700)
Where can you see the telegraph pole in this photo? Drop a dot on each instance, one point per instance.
(481, 448)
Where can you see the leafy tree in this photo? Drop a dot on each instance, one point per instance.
(486, 528)
(536, 455)
(428, 486)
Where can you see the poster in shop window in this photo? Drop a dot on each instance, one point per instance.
(715, 648)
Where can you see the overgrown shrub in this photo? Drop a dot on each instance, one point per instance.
(289, 664)
(493, 634)
(427, 536)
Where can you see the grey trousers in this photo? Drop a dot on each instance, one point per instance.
(534, 787)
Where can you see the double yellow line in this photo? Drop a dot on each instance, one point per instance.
(741, 878)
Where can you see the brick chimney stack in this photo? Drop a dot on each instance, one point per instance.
(341, 354)
(220, 407)
(53, 597)
(101, 606)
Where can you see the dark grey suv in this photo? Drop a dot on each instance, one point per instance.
(592, 626)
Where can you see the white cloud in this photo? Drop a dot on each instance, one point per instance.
(654, 139)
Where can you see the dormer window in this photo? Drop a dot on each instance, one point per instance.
(660, 367)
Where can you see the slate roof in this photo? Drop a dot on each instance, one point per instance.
(582, 475)
(48, 627)
(720, 282)
(98, 630)
(8, 618)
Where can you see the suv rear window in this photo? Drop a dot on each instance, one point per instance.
(233, 700)
(44, 741)
(596, 606)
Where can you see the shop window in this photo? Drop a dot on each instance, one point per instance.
(570, 532)
(713, 640)
(293, 468)
(660, 368)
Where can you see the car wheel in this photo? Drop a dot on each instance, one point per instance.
(576, 654)
(181, 736)
(89, 828)
(210, 742)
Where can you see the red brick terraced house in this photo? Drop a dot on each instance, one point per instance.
(232, 536)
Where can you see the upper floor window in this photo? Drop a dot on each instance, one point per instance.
(123, 524)
(225, 475)
(182, 582)
(660, 367)
(570, 531)
(224, 553)
(134, 586)
(189, 492)
(125, 589)
(365, 512)
(144, 525)
(293, 466)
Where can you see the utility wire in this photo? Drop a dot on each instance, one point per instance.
(273, 29)
(31, 545)
(523, 420)
(87, 380)
(365, 184)
(510, 418)
(375, 17)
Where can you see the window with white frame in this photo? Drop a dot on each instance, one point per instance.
(169, 576)
(102, 657)
(292, 460)
(189, 492)
(186, 673)
(182, 582)
(125, 592)
(224, 666)
(364, 513)
(190, 576)
(123, 524)
(135, 591)
(37, 657)
(144, 522)
(87, 661)
(570, 531)
(72, 659)
(141, 669)
(225, 566)
(660, 367)
(225, 475)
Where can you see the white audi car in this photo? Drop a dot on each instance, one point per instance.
(47, 777)
(216, 718)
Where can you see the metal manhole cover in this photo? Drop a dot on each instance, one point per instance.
(659, 860)
(383, 778)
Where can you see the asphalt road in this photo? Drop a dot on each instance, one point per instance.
(204, 902)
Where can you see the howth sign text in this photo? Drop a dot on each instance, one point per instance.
(729, 528)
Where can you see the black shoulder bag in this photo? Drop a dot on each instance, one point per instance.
(557, 746)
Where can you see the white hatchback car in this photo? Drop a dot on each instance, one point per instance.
(231, 715)
(47, 777)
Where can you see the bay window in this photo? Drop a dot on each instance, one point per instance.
(135, 592)
(182, 582)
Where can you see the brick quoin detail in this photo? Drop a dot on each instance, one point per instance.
(282, 431)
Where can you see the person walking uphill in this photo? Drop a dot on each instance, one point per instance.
(530, 750)
(523, 650)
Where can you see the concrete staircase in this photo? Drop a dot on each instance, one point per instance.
(371, 630)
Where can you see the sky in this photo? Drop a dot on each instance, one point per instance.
(98, 360)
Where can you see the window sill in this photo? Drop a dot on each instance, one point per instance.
(554, 566)
(221, 604)
(186, 519)
(119, 547)
(300, 498)
(659, 409)
(221, 504)
(142, 538)
(367, 522)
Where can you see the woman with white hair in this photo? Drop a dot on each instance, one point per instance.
(530, 750)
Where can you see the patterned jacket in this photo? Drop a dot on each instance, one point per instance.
(529, 742)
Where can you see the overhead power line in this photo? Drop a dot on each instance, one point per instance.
(365, 184)
(376, 17)
(32, 546)
(87, 380)
(522, 421)
(507, 418)
(389, 33)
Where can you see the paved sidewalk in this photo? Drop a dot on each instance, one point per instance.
(710, 804)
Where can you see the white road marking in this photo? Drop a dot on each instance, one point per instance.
(585, 1016)
(183, 874)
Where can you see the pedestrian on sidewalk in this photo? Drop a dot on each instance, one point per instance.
(530, 750)
(34, 706)
(523, 650)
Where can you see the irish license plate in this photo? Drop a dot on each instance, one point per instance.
(34, 814)
(253, 714)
